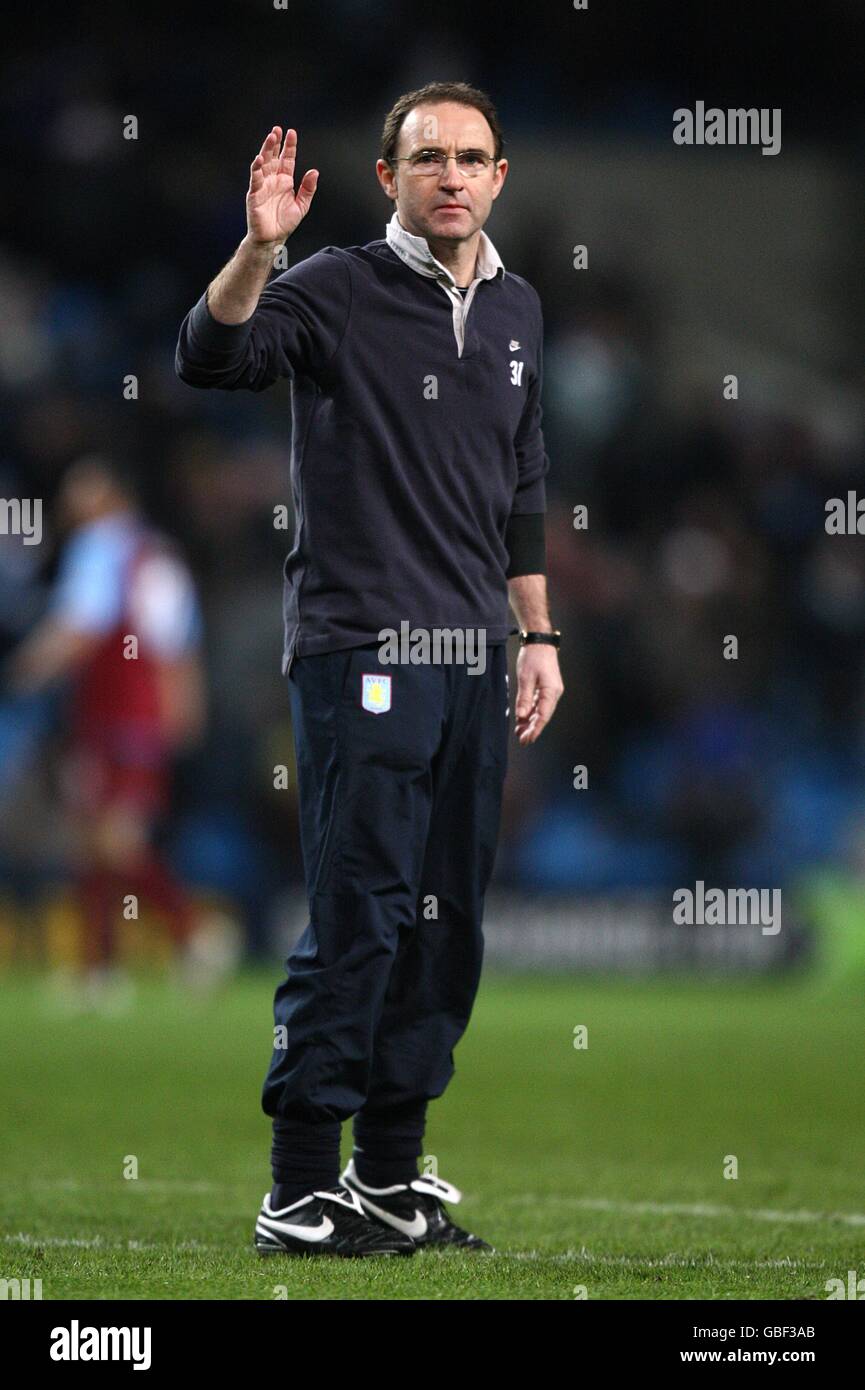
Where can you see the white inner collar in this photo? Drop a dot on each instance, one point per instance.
(415, 251)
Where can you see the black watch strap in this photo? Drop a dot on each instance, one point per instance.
(552, 639)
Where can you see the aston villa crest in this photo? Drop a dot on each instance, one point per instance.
(375, 693)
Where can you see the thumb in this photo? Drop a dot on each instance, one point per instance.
(306, 188)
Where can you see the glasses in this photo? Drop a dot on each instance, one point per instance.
(469, 162)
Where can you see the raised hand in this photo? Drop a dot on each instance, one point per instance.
(273, 208)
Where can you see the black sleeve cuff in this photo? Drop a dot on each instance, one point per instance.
(526, 545)
(213, 336)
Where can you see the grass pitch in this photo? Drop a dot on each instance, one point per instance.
(596, 1171)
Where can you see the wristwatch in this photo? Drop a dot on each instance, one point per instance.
(552, 639)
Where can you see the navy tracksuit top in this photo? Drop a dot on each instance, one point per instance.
(409, 456)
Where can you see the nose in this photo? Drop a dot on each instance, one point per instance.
(448, 179)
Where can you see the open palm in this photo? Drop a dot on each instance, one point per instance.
(273, 207)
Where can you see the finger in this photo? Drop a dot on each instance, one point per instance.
(526, 732)
(273, 156)
(523, 722)
(260, 165)
(270, 144)
(263, 151)
(532, 728)
(536, 726)
(306, 189)
(289, 153)
(547, 702)
(527, 694)
(256, 174)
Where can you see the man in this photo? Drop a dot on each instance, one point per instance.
(124, 628)
(418, 472)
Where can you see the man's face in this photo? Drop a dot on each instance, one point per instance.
(447, 205)
(86, 493)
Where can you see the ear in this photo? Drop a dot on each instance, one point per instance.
(386, 178)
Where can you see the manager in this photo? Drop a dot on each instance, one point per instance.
(418, 480)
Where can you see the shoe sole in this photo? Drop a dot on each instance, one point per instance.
(266, 1246)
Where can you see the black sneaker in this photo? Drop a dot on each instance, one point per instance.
(330, 1222)
(415, 1209)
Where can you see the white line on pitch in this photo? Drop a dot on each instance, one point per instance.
(552, 1257)
(710, 1262)
(851, 1218)
(100, 1243)
(142, 1184)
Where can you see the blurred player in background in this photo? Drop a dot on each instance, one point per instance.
(124, 628)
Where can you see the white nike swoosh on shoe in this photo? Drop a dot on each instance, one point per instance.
(310, 1233)
(415, 1228)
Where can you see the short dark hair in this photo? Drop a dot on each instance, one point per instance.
(434, 93)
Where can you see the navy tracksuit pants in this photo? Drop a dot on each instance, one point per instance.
(400, 813)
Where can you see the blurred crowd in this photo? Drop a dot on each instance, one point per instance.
(702, 522)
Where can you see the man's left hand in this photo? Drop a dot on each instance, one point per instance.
(539, 689)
